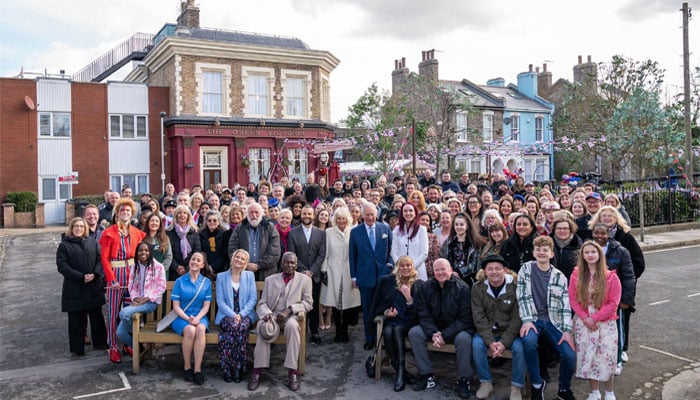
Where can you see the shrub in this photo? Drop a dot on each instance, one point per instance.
(24, 201)
(95, 199)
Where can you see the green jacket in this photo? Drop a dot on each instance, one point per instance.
(501, 312)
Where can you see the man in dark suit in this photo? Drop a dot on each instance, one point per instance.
(370, 259)
(309, 244)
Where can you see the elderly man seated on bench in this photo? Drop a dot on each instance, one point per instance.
(284, 295)
(497, 321)
(443, 306)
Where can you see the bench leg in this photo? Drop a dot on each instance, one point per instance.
(136, 361)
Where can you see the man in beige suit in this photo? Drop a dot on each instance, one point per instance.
(285, 294)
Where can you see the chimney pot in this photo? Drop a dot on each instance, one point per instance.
(529, 68)
(396, 64)
(589, 58)
(422, 55)
(544, 67)
(537, 69)
(403, 62)
(580, 59)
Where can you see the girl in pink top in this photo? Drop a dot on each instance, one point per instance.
(594, 293)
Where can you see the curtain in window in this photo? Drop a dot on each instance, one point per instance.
(212, 92)
(257, 95)
(295, 97)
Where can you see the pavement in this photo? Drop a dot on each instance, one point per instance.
(35, 363)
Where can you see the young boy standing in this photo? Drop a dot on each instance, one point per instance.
(543, 301)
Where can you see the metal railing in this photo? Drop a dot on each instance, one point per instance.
(134, 48)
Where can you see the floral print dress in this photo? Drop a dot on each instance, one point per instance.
(596, 351)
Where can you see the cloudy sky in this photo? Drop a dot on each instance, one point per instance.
(473, 39)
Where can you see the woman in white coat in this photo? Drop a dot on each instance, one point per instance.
(410, 238)
(337, 290)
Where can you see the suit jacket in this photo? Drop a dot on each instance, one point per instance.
(310, 255)
(276, 296)
(367, 265)
(247, 296)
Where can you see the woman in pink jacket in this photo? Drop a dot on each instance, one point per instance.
(146, 287)
(594, 293)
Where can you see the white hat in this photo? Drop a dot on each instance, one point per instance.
(268, 331)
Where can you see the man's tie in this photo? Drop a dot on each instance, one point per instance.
(372, 239)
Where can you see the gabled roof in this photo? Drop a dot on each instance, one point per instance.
(516, 100)
(477, 96)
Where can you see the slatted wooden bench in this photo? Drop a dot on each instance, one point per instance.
(148, 336)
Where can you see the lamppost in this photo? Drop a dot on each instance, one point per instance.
(162, 153)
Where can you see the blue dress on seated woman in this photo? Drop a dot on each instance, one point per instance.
(183, 291)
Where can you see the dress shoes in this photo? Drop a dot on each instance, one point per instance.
(369, 346)
(114, 356)
(293, 382)
(254, 381)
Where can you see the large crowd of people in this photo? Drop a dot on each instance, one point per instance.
(488, 265)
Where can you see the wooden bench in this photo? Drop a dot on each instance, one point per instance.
(380, 356)
(148, 336)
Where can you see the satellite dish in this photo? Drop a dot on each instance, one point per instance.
(507, 120)
(29, 103)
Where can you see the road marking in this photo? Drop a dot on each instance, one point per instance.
(666, 353)
(127, 386)
(659, 302)
(693, 295)
(671, 249)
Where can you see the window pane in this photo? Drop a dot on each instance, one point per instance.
(257, 95)
(295, 97)
(64, 191)
(212, 92)
(61, 124)
(116, 183)
(48, 188)
(131, 181)
(142, 184)
(488, 127)
(45, 124)
(141, 126)
(128, 123)
(114, 126)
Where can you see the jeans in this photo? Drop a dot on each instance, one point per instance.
(124, 329)
(481, 362)
(567, 354)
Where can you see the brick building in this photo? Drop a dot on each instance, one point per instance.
(238, 98)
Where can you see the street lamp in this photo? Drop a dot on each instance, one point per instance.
(162, 153)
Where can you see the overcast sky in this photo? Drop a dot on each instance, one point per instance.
(474, 39)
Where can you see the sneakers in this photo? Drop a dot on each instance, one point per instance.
(618, 369)
(199, 378)
(538, 394)
(624, 357)
(565, 395)
(464, 390)
(424, 382)
(610, 396)
(114, 356)
(485, 390)
(593, 396)
(515, 393)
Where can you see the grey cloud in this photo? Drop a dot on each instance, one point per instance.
(410, 19)
(639, 10)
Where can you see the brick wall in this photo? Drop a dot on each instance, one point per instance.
(90, 134)
(18, 137)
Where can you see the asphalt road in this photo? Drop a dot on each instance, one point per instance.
(35, 362)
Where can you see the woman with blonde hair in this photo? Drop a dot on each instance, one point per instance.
(418, 200)
(338, 292)
(613, 200)
(394, 300)
(184, 240)
(594, 294)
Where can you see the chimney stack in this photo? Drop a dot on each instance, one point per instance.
(399, 75)
(586, 74)
(428, 68)
(544, 82)
(189, 15)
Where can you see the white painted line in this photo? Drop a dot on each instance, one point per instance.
(659, 302)
(666, 353)
(693, 295)
(671, 249)
(127, 386)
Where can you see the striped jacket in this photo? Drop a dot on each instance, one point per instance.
(559, 309)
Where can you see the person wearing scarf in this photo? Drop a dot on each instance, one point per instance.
(118, 249)
(184, 240)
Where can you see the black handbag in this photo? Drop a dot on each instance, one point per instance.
(371, 365)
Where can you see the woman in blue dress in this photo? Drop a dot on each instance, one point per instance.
(192, 323)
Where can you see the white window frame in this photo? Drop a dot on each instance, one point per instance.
(475, 166)
(305, 77)
(269, 75)
(325, 98)
(136, 187)
(225, 71)
(298, 157)
(462, 126)
(527, 169)
(487, 123)
(58, 189)
(540, 167)
(259, 158)
(515, 127)
(223, 154)
(53, 115)
(135, 119)
(539, 128)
